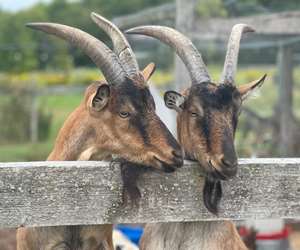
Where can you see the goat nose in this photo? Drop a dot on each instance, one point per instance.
(229, 162)
(177, 153)
(178, 157)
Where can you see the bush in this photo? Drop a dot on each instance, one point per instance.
(15, 113)
(80, 76)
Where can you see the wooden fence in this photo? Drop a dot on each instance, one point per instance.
(73, 193)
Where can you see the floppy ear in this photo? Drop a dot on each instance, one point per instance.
(101, 97)
(148, 71)
(246, 89)
(174, 100)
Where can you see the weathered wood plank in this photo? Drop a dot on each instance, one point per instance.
(274, 24)
(151, 15)
(71, 193)
(270, 24)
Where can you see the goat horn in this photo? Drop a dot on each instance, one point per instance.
(232, 53)
(121, 45)
(100, 54)
(183, 47)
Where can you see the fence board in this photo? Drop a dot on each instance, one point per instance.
(72, 193)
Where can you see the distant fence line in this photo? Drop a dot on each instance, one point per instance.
(35, 92)
(47, 90)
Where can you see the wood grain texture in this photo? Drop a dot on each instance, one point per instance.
(72, 193)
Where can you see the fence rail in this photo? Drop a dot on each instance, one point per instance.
(73, 193)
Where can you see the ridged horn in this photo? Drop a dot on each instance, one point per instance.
(233, 47)
(120, 43)
(99, 53)
(183, 47)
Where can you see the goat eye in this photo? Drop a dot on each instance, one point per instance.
(124, 114)
(194, 114)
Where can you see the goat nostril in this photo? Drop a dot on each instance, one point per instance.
(178, 157)
(229, 164)
(177, 154)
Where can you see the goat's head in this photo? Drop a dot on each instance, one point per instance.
(121, 110)
(207, 112)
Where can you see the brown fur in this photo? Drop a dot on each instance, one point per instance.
(97, 135)
(214, 235)
(217, 107)
(203, 147)
(8, 239)
(101, 134)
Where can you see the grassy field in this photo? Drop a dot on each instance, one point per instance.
(61, 106)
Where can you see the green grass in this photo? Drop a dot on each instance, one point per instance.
(25, 152)
(60, 107)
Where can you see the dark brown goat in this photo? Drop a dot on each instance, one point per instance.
(206, 123)
(116, 119)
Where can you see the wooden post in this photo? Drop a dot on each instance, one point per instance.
(34, 115)
(184, 19)
(285, 100)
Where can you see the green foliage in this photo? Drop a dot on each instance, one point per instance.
(25, 152)
(22, 49)
(15, 120)
(211, 8)
(15, 111)
(80, 76)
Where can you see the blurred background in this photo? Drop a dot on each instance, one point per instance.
(42, 78)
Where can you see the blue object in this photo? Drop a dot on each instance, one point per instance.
(132, 233)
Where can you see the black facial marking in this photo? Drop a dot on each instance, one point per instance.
(142, 102)
(222, 98)
(235, 117)
(203, 124)
(170, 138)
(234, 123)
(228, 145)
(217, 98)
(142, 125)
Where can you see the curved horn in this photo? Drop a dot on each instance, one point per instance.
(233, 47)
(100, 54)
(121, 45)
(183, 47)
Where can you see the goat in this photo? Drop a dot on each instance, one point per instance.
(207, 117)
(115, 119)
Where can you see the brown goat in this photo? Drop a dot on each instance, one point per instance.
(206, 124)
(116, 119)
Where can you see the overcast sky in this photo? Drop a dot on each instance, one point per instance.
(15, 5)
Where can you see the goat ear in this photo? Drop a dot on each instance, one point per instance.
(100, 99)
(174, 100)
(246, 89)
(148, 71)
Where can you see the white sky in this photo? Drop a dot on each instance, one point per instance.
(15, 5)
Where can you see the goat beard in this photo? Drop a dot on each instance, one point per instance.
(130, 173)
(212, 194)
